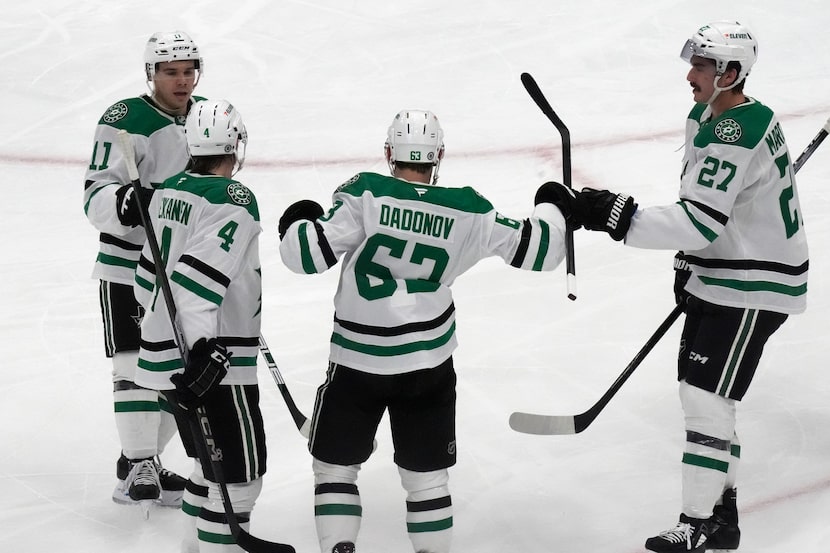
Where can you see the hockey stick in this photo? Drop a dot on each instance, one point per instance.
(536, 93)
(530, 423)
(300, 420)
(812, 146)
(243, 539)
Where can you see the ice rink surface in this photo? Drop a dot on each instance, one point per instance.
(317, 82)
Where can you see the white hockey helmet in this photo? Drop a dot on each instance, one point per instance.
(215, 128)
(415, 136)
(723, 42)
(168, 46)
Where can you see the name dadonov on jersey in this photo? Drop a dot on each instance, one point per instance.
(416, 221)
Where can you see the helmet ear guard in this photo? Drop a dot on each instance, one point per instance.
(415, 136)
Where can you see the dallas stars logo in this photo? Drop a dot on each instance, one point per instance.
(728, 130)
(239, 193)
(115, 112)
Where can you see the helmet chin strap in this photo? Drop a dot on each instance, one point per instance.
(719, 89)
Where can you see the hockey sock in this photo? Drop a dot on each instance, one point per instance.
(428, 510)
(195, 496)
(212, 526)
(337, 508)
(710, 425)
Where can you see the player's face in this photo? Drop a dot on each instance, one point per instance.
(702, 78)
(173, 84)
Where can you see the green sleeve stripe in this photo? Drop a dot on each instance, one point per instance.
(196, 288)
(144, 283)
(544, 246)
(708, 233)
(389, 351)
(117, 261)
(305, 250)
(243, 361)
(756, 285)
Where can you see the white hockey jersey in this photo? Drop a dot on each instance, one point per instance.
(738, 221)
(208, 232)
(160, 152)
(403, 245)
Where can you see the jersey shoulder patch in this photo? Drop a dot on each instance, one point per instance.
(135, 116)
(742, 126)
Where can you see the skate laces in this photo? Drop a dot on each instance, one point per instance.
(143, 473)
(681, 533)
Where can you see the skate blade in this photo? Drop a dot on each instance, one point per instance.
(146, 505)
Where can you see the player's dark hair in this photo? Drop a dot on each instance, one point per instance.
(422, 168)
(205, 165)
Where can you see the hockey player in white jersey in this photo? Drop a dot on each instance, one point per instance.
(208, 229)
(740, 230)
(155, 121)
(403, 241)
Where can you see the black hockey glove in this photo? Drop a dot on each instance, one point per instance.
(681, 277)
(126, 205)
(208, 365)
(304, 209)
(608, 212)
(566, 199)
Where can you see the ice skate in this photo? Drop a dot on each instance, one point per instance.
(172, 485)
(724, 534)
(689, 536)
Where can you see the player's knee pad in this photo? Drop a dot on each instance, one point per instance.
(124, 364)
(326, 473)
(707, 413)
(420, 486)
(243, 494)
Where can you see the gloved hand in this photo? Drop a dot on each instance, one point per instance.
(304, 209)
(208, 364)
(564, 198)
(607, 211)
(681, 277)
(126, 206)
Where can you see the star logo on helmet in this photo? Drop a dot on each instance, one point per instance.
(728, 131)
(115, 112)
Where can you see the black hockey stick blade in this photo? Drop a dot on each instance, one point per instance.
(812, 146)
(536, 94)
(253, 544)
(529, 423)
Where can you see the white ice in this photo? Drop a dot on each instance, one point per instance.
(317, 82)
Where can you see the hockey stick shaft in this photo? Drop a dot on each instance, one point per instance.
(812, 146)
(530, 423)
(245, 540)
(536, 94)
(300, 420)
